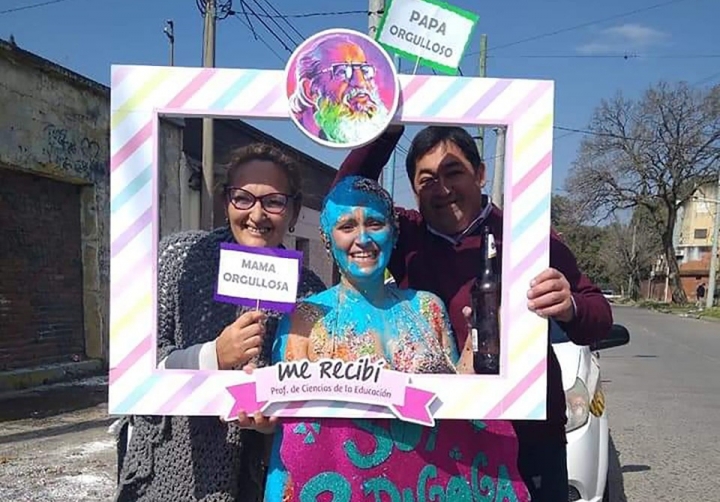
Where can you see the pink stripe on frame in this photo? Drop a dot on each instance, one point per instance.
(412, 87)
(191, 88)
(131, 146)
(532, 175)
(183, 392)
(119, 74)
(129, 361)
(486, 99)
(269, 99)
(131, 232)
(520, 389)
(518, 307)
(118, 287)
(213, 406)
(528, 101)
(531, 257)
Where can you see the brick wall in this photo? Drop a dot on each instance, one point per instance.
(41, 293)
(55, 124)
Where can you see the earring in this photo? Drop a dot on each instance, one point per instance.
(291, 229)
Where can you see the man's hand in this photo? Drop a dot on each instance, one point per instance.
(550, 296)
(240, 341)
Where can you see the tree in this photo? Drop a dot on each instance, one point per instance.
(651, 154)
(585, 241)
(628, 253)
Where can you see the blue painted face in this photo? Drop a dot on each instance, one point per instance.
(360, 229)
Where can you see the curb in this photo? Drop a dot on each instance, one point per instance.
(27, 378)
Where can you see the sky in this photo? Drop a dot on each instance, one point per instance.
(591, 50)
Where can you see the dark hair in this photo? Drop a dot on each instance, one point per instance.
(270, 153)
(432, 136)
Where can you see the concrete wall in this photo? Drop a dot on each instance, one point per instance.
(173, 181)
(55, 124)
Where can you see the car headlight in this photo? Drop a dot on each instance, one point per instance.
(577, 402)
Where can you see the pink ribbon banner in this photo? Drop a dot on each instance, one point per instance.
(360, 381)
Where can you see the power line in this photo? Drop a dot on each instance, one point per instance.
(259, 38)
(604, 134)
(222, 10)
(274, 20)
(284, 18)
(315, 14)
(31, 6)
(268, 28)
(707, 79)
(582, 25)
(608, 56)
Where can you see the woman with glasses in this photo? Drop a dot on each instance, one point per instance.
(204, 458)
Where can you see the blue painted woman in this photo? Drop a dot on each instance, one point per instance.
(342, 460)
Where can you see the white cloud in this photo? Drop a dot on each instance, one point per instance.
(624, 39)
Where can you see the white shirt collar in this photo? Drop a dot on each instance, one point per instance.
(456, 239)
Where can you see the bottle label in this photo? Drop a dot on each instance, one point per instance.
(492, 251)
(474, 339)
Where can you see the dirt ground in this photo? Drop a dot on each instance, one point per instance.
(55, 445)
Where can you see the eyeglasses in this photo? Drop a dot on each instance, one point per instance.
(274, 203)
(345, 70)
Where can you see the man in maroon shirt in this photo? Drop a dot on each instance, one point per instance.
(439, 250)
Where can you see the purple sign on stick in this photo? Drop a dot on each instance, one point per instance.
(258, 277)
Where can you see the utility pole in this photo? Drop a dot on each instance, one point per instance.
(712, 285)
(499, 164)
(376, 8)
(207, 219)
(170, 33)
(483, 74)
(632, 261)
(390, 179)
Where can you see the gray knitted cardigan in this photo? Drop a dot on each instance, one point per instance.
(196, 458)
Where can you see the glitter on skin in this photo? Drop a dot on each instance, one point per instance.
(408, 330)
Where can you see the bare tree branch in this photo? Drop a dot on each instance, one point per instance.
(652, 154)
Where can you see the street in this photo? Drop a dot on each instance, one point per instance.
(54, 444)
(663, 396)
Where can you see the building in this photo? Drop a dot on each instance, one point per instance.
(54, 213)
(694, 239)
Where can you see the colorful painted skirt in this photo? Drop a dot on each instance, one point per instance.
(344, 460)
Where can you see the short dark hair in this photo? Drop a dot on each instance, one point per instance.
(432, 136)
(263, 151)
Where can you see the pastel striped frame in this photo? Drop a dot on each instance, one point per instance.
(141, 94)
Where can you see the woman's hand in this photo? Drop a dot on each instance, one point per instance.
(257, 421)
(465, 363)
(240, 341)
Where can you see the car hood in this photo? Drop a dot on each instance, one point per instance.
(571, 358)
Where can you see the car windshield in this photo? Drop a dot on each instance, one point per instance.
(557, 334)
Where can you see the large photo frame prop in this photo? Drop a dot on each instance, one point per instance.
(141, 95)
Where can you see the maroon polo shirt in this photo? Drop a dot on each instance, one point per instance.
(426, 261)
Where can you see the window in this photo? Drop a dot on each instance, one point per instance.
(701, 233)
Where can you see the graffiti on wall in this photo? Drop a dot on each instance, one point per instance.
(78, 155)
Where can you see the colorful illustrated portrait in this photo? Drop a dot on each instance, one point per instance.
(342, 88)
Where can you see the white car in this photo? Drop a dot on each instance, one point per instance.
(587, 425)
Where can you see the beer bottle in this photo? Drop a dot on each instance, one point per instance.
(485, 303)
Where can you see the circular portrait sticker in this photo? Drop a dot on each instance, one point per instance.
(342, 88)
